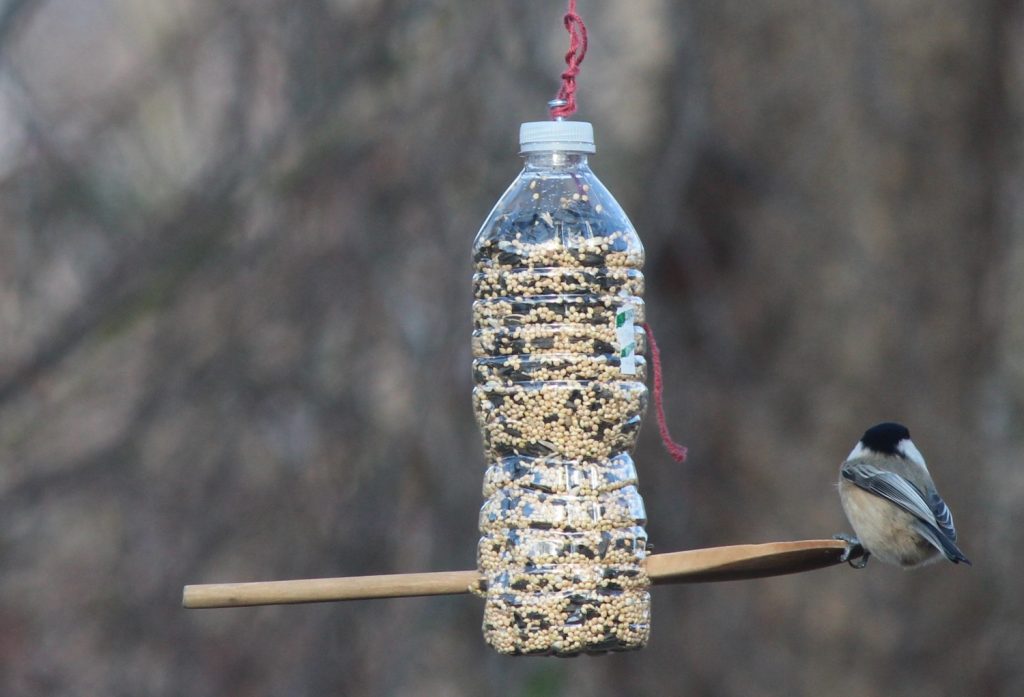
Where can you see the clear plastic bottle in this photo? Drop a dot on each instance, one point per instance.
(559, 398)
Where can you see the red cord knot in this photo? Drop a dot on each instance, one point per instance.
(677, 451)
(577, 51)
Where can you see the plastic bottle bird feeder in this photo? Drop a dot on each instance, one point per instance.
(563, 564)
(559, 398)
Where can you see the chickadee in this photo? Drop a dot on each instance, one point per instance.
(891, 501)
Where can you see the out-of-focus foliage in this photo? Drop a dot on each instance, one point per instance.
(234, 330)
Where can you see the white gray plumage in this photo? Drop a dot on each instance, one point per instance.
(891, 501)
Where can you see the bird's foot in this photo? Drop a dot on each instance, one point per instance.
(855, 555)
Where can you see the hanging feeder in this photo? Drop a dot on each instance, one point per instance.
(559, 399)
(558, 340)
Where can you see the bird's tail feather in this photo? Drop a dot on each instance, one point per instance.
(942, 543)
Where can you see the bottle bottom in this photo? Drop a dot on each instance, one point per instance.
(567, 623)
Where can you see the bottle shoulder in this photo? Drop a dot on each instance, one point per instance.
(551, 212)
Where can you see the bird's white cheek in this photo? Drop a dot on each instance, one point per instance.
(858, 451)
(910, 451)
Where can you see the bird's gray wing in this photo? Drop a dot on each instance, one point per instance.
(934, 520)
(891, 486)
(943, 516)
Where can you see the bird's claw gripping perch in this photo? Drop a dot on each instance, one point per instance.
(855, 555)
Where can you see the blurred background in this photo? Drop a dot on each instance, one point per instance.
(235, 317)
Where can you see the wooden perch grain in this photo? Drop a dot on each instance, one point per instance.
(319, 590)
(732, 563)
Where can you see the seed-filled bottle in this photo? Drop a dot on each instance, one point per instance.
(559, 397)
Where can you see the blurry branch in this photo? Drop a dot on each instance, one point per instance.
(14, 13)
(119, 459)
(151, 268)
(164, 248)
(682, 170)
(174, 58)
(144, 267)
(39, 133)
(36, 483)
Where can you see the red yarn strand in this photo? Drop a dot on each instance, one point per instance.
(677, 451)
(577, 51)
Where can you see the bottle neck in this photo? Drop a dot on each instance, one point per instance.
(555, 159)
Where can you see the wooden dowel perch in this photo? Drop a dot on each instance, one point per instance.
(731, 563)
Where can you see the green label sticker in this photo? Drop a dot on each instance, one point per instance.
(625, 338)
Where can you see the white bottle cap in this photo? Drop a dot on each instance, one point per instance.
(575, 136)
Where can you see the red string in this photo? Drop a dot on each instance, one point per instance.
(677, 451)
(577, 51)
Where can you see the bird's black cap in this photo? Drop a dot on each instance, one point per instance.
(884, 437)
